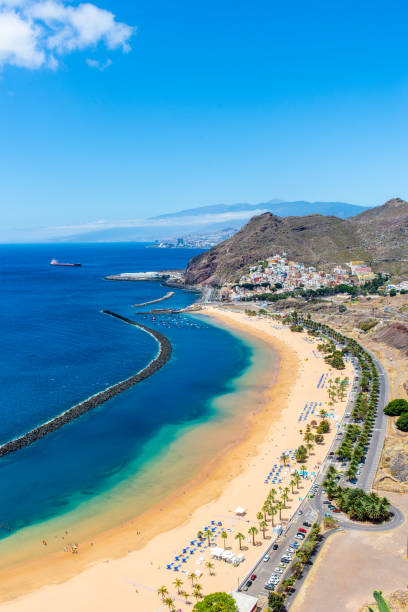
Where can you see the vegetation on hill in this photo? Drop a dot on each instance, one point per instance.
(396, 407)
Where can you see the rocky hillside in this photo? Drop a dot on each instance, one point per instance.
(379, 236)
(394, 335)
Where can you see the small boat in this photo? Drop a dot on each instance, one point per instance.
(55, 262)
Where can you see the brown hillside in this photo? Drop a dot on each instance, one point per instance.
(378, 236)
(395, 335)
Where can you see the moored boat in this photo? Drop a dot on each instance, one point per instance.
(55, 262)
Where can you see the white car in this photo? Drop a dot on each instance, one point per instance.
(266, 558)
(278, 570)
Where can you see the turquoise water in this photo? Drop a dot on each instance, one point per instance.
(57, 349)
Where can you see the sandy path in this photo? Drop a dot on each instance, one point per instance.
(131, 582)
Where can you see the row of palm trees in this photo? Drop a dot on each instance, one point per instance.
(355, 446)
(178, 583)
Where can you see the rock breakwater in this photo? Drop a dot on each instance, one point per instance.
(163, 356)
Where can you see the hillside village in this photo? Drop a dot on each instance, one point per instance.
(280, 275)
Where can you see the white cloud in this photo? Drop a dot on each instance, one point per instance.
(33, 33)
(92, 63)
(18, 42)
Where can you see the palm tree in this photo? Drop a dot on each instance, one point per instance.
(309, 446)
(265, 509)
(209, 566)
(285, 498)
(208, 535)
(186, 596)
(274, 510)
(280, 506)
(200, 535)
(224, 536)
(192, 577)
(178, 583)
(170, 603)
(292, 485)
(284, 458)
(253, 531)
(240, 537)
(297, 478)
(162, 591)
(197, 591)
(308, 437)
(272, 495)
(263, 525)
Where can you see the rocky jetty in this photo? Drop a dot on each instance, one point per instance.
(99, 398)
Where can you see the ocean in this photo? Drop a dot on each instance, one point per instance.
(58, 349)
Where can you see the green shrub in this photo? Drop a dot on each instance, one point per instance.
(275, 601)
(396, 407)
(402, 422)
(216, 602)
(367, 325)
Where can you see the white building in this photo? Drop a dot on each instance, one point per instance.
(245, 603)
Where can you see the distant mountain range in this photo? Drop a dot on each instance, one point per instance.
(378, 236)
(202, 220)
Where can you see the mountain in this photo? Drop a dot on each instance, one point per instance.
(277, 207)
(378, 236)
(201, 220)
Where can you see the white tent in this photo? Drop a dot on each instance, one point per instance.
(217, 552)
(240, 510)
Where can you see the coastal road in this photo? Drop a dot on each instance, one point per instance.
(314, 509)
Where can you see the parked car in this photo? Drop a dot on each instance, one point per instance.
(302, 530)
(278, 570)
(326, 502)
(253, 577)
(275, 547)
(269, 586)
(248, 584)
(336, 510)
(300, 536)
(266, 558)
(307, 524)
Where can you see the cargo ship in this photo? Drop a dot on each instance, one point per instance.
(55, 262)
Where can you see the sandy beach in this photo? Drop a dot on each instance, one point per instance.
(123, 568)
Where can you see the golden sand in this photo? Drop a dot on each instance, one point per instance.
(120, 570)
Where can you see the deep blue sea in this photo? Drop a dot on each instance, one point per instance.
(57, 348)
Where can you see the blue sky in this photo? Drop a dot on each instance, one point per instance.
(169, 105)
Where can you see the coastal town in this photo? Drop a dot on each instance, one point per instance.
(278, 274)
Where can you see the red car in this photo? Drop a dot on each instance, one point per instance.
(302, 530)
(336, 510)
(253, 577)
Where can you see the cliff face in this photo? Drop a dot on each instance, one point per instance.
(379, 236)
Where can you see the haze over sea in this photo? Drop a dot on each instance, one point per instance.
(58, 348)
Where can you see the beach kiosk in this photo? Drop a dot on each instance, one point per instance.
(240, 511)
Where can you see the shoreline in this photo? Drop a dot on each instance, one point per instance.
(208, 489)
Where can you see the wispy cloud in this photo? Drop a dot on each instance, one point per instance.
(173, 221)
(101, 66)
(36, 33)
